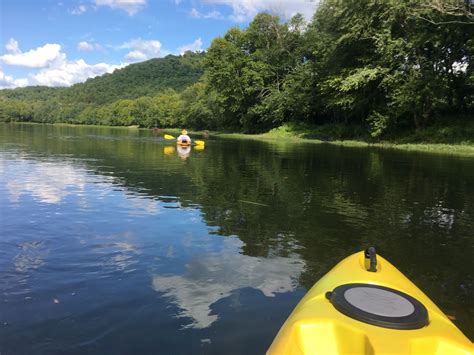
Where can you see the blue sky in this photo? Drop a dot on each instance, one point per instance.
(62, 42)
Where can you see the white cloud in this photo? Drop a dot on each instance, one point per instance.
(213, 14)
(196, 46)
(7, 81)
(12, 47)
(135, 56)
(88, 46)
(55, 68)
(67, 73)
(79, 10)
(142, 49)
(70, 72)
(131, 6)
(244, 10)
(40, 57)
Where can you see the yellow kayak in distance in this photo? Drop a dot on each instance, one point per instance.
(183, 144)
(199, 144)
(364, 305)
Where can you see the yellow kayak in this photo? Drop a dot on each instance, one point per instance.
(183, 144)
(364, 305)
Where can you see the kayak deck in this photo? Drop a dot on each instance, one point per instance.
(317, 327)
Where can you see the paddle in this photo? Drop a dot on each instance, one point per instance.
(167, 136)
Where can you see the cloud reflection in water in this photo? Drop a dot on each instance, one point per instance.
(52, 181)
(215, 275)
(49, 182)
(31, 256)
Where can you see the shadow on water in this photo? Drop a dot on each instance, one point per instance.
(215, 248)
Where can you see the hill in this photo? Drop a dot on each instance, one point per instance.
(141, 79)
(135, 80)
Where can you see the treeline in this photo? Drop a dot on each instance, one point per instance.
(380, 65)
(384, 65)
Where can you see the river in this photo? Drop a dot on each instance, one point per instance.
(115, 242)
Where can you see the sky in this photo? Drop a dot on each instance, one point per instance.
(63, 42)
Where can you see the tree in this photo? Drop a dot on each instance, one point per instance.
(244, 68)
(457, 11)
(200, 108)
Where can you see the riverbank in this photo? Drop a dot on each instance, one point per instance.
(431, 140)
(416, 142)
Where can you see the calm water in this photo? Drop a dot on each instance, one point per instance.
(113, 243)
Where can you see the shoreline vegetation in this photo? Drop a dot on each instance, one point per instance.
(379, 73)
(443, 140)
(461, 149)
(291, 134)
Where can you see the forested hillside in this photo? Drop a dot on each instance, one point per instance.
(377, 67)
(141, 80)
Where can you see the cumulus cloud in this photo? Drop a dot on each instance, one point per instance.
(142, 49)
(55, 68)
(70, 72)
(7, 81)
(135, 56)
(40, 57)
(88, 46)
(196, 46)
(243, 10)
(12, 47)
(213, 14)
(130, 6)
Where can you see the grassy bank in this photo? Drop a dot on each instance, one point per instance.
(455, 140)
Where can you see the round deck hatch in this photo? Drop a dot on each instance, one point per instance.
(379, 305)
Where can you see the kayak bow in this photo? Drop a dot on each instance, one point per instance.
(364, 305)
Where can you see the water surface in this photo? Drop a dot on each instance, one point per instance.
(113, 241)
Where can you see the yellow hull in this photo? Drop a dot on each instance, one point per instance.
(183, 144)
(317, 327)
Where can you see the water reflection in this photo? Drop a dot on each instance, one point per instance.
(116, 252)
(440, 216)
(149, 245)
(213, 276)
(143, 206)
(49, 182)
(183, 152)
(31, 256)
(52, 182)
(168, 150)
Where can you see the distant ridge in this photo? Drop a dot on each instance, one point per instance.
(135, 80)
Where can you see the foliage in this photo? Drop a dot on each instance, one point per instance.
(143, 93)
(384, 66)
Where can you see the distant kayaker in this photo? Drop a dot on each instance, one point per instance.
(184, 138)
